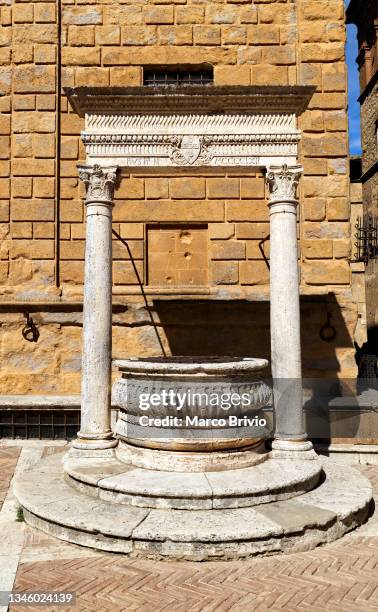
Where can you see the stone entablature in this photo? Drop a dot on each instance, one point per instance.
(223, 126)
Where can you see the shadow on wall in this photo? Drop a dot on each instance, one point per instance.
(241, 328)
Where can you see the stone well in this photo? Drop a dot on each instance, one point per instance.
(196, 493)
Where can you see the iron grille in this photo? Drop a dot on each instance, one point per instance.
(39, 424)
(175, 77)
(366, 238)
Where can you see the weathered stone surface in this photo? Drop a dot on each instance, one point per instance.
(324, 514)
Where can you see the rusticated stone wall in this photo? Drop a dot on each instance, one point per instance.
(103, 43)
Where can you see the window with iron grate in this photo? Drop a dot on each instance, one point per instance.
(178, 76)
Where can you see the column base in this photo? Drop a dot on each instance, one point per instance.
(293, 449)
(84, 447)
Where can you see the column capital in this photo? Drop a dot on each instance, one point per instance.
(100, 183)
(283, 182)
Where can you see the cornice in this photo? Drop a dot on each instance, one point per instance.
(208, 99)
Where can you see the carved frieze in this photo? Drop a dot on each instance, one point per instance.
(191, 140)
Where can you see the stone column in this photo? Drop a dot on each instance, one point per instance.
(95, 433)
(290, 432)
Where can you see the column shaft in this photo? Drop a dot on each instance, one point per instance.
(284, 310)
(95, 432)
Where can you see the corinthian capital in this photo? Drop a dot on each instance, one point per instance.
(100, 182)
(283, 182)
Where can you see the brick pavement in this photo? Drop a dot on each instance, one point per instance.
(340, 576)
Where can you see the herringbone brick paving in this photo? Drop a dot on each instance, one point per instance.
(342, 576)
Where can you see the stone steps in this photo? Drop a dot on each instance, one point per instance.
(272, 480)
(340, 503)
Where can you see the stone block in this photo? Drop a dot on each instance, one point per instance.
(256, 249)
(326, 272)
(247, 210)
(82, 15)
(221, 231)
(69, 147)
(107, 35)
(227, 249)
(251, 231)
(313, 121)
(248, 14)
(334, 77)
(206, 35)
(122, 15)
(29, 167)
(32, 249)
(317, 145)
(317, 249)
(4, 188)
(156, 188)
(32, 210)
(222, 188)
(187, 188)
(336, 121)
(130, 188)
(139, 35)
(23, 13)
(175, 35)
(234, 35)
(338, 209)
(34, 79)
(279, 55)
(43, 187)
(81, 36)
(37, 33)
(72, 272)
(4, 211)
(310, 74)
(168, 55)
(232, 75)
(341, 248)
(263, 34)
(326, 10)
(253, 273)
(22, 187)
(190, 14)
(331, 186)
(44, 12)
(71, 211)
(81, 56)
(263, 74)
(314, 209)
(221, 14)
(224, 272)
(158, 14)
(312, 166)
(322, 52)
(46, 102)
(72, 249)
(42, 229)
(157, 211)
(124, 272)
(252, 188)
(326, 229)
(127, 76)
(134, 231)
(249, 55)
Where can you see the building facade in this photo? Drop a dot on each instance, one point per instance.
(191, 246)
(365, 16)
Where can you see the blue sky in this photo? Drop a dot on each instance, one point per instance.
(354, 90)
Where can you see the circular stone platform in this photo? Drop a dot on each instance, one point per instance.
(272, 480)
(338, 504)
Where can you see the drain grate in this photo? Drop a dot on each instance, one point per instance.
(39, 424)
